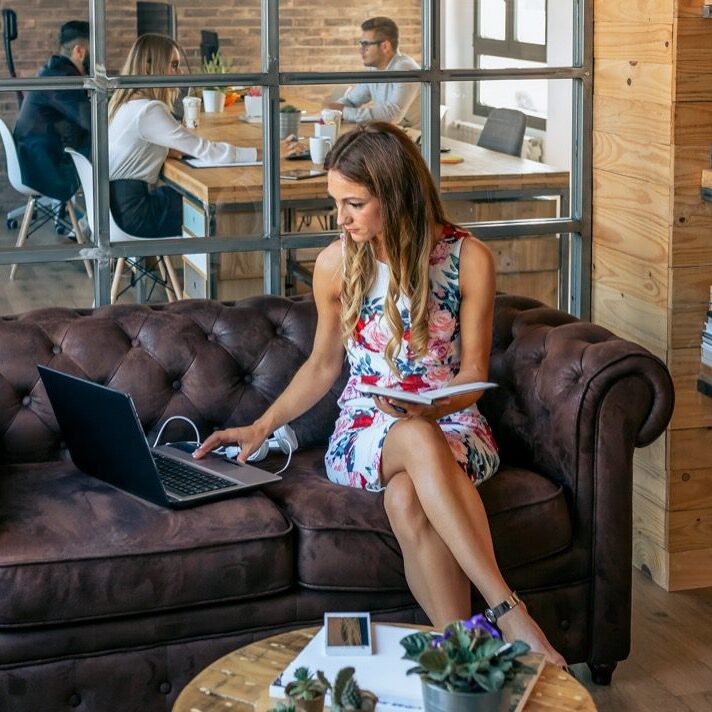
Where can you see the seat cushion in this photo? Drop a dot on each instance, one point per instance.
(73, 548)
(344, 540)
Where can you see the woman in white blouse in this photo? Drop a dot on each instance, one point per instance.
(143, 133)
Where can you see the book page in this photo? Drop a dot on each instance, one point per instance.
(424, 397)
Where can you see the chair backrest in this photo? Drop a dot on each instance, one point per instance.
(85, 172)
(14, 173)
(504, 131)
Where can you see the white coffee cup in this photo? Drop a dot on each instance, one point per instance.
(319, 146)
(326, 130)
(332, 116)
(191, 111)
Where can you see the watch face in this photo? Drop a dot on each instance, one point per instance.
(490, 616)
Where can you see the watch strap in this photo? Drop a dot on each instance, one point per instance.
(496, 612)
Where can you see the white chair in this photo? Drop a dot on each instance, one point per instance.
(168, 278)
(36, 203)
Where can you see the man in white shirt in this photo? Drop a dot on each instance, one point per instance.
(395, 102)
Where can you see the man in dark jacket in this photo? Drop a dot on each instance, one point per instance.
(52, 120)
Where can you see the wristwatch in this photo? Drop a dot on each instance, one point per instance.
(496, 612)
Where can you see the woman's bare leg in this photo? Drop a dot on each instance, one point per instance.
(436, 580)
(455, 511)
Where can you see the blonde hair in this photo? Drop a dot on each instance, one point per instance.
(150, 54)
(383, 159)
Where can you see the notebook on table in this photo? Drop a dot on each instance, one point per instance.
(106, 440)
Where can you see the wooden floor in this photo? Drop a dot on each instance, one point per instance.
(670, 666)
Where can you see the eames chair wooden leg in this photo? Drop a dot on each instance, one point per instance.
(174, 278)
(164, 276)
(24, 229)
(78, 234)
(118, 270)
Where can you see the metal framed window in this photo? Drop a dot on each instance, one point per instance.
(507, 30)
(576, 225)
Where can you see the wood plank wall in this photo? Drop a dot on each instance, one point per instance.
(652, 253)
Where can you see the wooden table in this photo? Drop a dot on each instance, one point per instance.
(240, 680)
(228, 201)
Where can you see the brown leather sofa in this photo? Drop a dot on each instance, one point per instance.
(110, 603)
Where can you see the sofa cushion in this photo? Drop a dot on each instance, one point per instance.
(528, 515)
(74, 548)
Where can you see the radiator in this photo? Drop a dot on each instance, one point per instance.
(468, 131)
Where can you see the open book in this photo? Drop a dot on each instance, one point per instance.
(425, 397)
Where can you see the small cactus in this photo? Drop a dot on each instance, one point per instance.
(346, 694)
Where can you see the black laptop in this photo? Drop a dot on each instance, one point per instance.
(105, 439)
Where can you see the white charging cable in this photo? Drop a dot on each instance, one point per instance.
(178, 417)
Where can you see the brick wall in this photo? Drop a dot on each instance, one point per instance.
(317, 35)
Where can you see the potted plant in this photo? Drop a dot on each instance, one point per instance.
(253, 102)
(306, 692)
(346, 694)
(214, 97)
(289, 117)
(468, 667)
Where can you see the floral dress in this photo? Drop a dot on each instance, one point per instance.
(354, 453)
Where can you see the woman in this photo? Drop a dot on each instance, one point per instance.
(143, 133)
(413, 298)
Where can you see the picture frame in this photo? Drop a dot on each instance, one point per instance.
(348, 633)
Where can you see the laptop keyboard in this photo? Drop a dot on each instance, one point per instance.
(183, 479)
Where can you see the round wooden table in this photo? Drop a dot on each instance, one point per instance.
(239, 681)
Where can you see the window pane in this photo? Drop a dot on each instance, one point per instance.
(530, 21)
(325, 36)
(542, 32)
(528, 96)
(492, 19)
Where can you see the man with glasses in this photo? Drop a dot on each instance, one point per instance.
(53, 120)
(394, 102)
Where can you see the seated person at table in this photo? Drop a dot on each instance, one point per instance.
(52, 120)
(143, 133)
(396, 102)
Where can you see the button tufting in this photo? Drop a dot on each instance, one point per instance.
(176, 385)
(565, 624)
(26, 400)
(164, 688)
(74, 700)
(278, 331)
(135, 343)
(211, 337)
(247, 378)
(56, 349)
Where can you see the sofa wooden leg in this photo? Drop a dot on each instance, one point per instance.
(601, 673)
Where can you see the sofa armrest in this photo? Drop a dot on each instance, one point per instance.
(555, 374)
(574, 402)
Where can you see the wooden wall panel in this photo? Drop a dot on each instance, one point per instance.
(641, 42)
(650, 475)
(652, 560)
(633, 119)
(690, 489)
(692, 122)
(631, 318)
(689, 8)
(689, 529)
(641, 279)
(633, 80)
(632, 216)
(693, 61)
(646, 161)
(649, 520)
(633, 11)
(690, 448)
(690, 237)
(689, 569)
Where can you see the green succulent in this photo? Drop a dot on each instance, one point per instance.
(346, 694)
(289, 109)
(305, 686)
(284, 707)
(215, 64)
(469, 656)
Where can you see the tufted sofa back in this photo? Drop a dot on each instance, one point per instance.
(217, 364)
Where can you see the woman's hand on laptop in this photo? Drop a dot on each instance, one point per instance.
(248, 439)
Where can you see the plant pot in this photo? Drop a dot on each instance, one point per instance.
(213, 101)
(315, 705)
(368, 703)
(289, 123)
(253, 105)
(438, 699)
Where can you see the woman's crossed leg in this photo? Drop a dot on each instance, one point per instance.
(440, 522)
